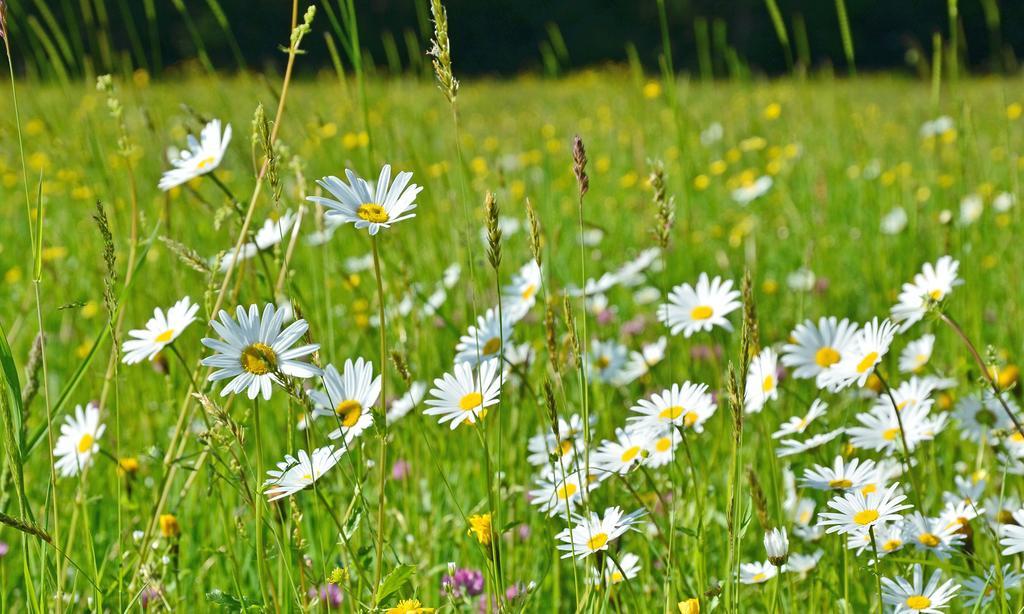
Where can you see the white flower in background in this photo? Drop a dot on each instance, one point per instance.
(640, 363)
(692, 309)
(867, 349)
(756, 573)
(202, 156)
(161, 330)
(933, 283)
(981, 590)
(712, 134)
(813, 348)
(625, 567)
(662, 446)
(981, 414)
(293, 474)
(368, 206)
(358, 264)
(463, 397)
(688, 405)
(938, 126)
(894, 222)
(349, 398)
(595, 532)
(605, 360)
(796, 425)
(803, 564)
(78, 440)
(273, 232)
(916, 355)
(407, 402)
(746, 194)
(880, 428)
(934, 535)
(801, 280)
(621, 455)
(559, 495)
(791, 447)
(1011, 536)
(451, 275)
(915, 595)
(631, 273)
(971, 208)
(253, 351)
(485, 339)
(841, 476)
(520, 296)
(762, 381)
(776, 544)
(507, 225)
(1003, 202)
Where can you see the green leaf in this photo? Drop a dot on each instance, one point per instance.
(394, 581)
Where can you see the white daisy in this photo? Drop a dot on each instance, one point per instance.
(161, 330)
(624, 567)
(630, 274)
(816, 347)
(519, 297)
(756, 573)
(485, 339)
(640, 362)
(368, 206)
(916, 596)
(78, 440)
(662, 446)
(980, 414)
(803, 564)
(866, 350)
(273, 231)
(203, 155)
(556, 496)
(693, 309)
(934, 535)
(605, 360)
(745, 194)
(407, 402)
(1011, 536)
(762, 381)
(688, 405)
(796, 425)
(790, 447)
(254, 351)
(626, 452)
(463, 397)
(880, 429)
(594, 533)
(856, 512)
(841, 476)
(981, 590)
(913, 393)
(916, 355)
(776, 544)
(294, 474)
(349, 398)
(933, 283)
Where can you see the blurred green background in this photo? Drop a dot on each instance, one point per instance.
(69, 38)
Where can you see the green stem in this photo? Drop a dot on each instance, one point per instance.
(383, 459)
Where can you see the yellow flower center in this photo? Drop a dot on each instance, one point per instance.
(663, 444)
(690, 418)
(207, 161)
(865, 517)
(892, 544)
(701, 312)
(867, 362)
(890, 434)
(867, 490)
(630, 454)
(491, 347)
(936, 294)
(805, 517)
(759, 577)
(597, 541)
(603, 361)
(566, 491)
(928, 539)
(768, 384)
(671, 413)
(471, 401)
(349, 412)
(85, 443)
(565, 447)
(529, 292)
(259, 359)
(165, 336)
(308, 477)
(918, 602)
(616, 577)
(841, 483)
(826, 357)
(372, 212)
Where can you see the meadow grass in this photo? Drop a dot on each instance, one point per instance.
(843, 154)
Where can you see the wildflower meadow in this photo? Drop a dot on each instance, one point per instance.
(620, 340)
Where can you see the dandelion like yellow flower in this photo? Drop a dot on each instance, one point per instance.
(480, 526)
(772, 111)
(409, 606)
(128, 465)
(1014, 110)
(690, 606)
(169, 526)
(652, 89)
